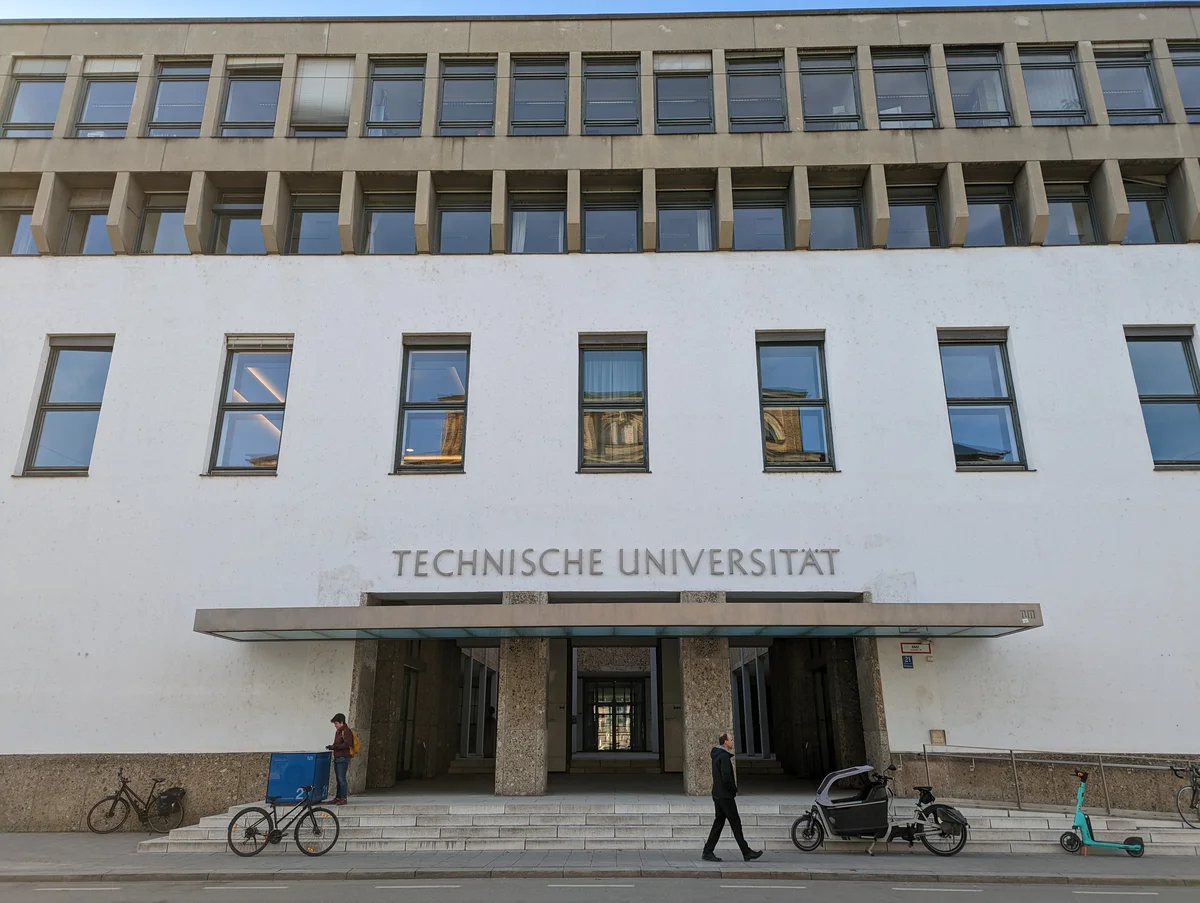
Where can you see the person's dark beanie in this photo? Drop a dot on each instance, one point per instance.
(338, 717)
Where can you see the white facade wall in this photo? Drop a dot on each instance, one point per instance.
(101, 575)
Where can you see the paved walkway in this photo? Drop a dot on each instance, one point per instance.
(86, 857)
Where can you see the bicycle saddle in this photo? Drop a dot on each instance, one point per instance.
(272, 800)
(307, 789)
(923, 789)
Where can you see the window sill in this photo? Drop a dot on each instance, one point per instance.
(419, 471)
(241, 473)
(38, 474)
(1194, 467)
(814, 469)
(993, 468)
(590, 470)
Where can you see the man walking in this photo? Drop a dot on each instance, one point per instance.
(343, 739)
(724, 791)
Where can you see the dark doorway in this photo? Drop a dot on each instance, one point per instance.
(614, 715)
(407, 723)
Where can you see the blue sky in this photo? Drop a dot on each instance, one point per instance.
(91, 9)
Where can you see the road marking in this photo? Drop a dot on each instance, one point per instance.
(762, 887)
(57, 889)
(591, 885)
(247, 887)
(416, 886)
(943, 890)
(1119, 893)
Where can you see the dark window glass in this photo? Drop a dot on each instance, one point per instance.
(685, 225)
(992, 220)
(106, 106)
(795, 412)
(390, 225)
(1130, 93)
(1169, 390)
(977, 89)
(34, 108)
(162, 225)
(904, 91)
(682, 99)
(983, 412)
(1187, 74)
(829, 93)
(538, 229)
(16, 236)
(250, 106)
(433, 416)
(836, 219)
(539, 97)
(1052, 84)
(759, 221)
(468, 97)
(238, 227)
(465, 229)
(87, 234)
(913, 218)
(250, 422)
(613, 408)
(1150, 220)
(757, 100)
(611, 229)
(1071, 220)
(611, 96)
(314, 227)
(69, 410)
(179, 100)
(396, 98)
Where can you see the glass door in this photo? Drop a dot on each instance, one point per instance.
(615, 715)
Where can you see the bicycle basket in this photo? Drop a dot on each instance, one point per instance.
(169, 799)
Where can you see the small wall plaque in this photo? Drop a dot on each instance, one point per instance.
(937, 738)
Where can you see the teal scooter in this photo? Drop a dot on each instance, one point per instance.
(1080, 836)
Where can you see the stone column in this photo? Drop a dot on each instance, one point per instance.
(952, 194)
(125, 213)
(429, 101)
(424, 217)
(720, 93)
(875, 202)
(1032, 204)
(866, 89)
(362, 698)
(707, 703)
(724, 209)
(350, 213)
(277, 211)
(521, 709)
(1015, 77)
(574, 211)
(801, 208)
(1093, 91)
(51, 213)
(1112, 208)
(499, 211)
(943, 100)
(649, 210)
(870, 697)
(198, 215)
(1183, 184)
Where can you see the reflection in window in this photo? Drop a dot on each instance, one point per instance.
(992, 220)
(795, 412)
(106, 106)
(321, 98)
(464, 224)
(539, 97)
(760, 220)
(612, 224)
(1130, 93)
(396, 98)
(35, 97)
(829, 92)
(837, 219)
(685, 221)
(87, 234)
(913, 218)
(238, 225)
(69, 409)
(179, 100)
(1052, 84)
(389, 226)
(983, 412)
(613, 408)
(1168, 386)
(433, 416)
(250, 422)
(314, 225)
(1187, 73)
(16, 236)
(468, 97)
(757, 100)
(904, 90)
(538, 226)
(1150, 221)
(977, 88)
(251, 102)
(611, 96)
(1071, 217)
(683, 93)
(162, 225)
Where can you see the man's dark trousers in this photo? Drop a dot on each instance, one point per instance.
(727, 811)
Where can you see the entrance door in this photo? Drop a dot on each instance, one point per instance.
(750, 683)
(408, 716)
(478, 686)
(614, 715)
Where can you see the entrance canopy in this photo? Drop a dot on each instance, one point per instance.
(621, 618)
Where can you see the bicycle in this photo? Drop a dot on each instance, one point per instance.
(316, 830)
(1187, 800)
(160, 812)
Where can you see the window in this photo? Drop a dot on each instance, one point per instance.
(108, 86)
(1071, 219)
(397, 98)
(983, 412)
(16, 236)
(977, 88)
(34, 98)
(238, 225)
(904, 90)
(612, 223)
(250, 421)
(251, 101)
(829, 92)
(612, 407)
(992, 220)
(179, 100)
(87, 233)
(314, 225)
(464, 224)
(837, 219)
(612, 102)
(539, 97)
(538, 224)
(321, 103)
(468, 97)
(68, 411)
(433, 415)
(683, 93)
(914, 220)
(1187, 74)
(1052, 84)
(760, 220)
(1150, 221)
(162, 225)
(1168, 385)
(1130, 93)
(757, 100)
(685, 221)
(389, 226)
(795, 409)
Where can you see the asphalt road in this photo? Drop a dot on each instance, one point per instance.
(583, 891)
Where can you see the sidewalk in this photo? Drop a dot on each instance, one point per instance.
(56, 858)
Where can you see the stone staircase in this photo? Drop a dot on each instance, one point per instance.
(680, 823)
(617, 764)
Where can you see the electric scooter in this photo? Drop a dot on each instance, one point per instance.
(1080, 836)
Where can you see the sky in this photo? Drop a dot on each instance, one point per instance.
(95, 9)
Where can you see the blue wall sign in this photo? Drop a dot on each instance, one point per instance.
(907, 659)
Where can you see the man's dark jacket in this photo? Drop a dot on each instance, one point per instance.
(724, 784)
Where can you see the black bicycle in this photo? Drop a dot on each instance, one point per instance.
(1187, 800)
(316, 828)
(160, 812)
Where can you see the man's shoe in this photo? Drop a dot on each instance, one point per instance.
(752, 855)
(711, 857)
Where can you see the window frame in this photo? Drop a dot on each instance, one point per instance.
(473, 202)
(1138, 192)
(249, 74)
(481, 131)
(1026, 55)
(161, 75)
(1186, 56)
(542, 126)
(764, 199)
(74, 216)
(850, 68)
(11, 100)
(599, 200)
(18, 213)
(920, 63)
(153, 203)
(851, 197)
(989, 193)
(1010, 401)
(1187, 340)
(1126, 60)
(829, 464)
(233, 206)
(233, 348)
(617, 344)
(997, 65)
(613, 126)
(686, 200)
(44, 405)
(302, 204)
(410, 345)
(535, 202)
(122, 127)
(917, 196)
(386, 202)
(760, 64)
(1058, 192)
(410, 128)
(687, 126)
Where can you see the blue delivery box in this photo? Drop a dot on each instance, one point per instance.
(292, 772)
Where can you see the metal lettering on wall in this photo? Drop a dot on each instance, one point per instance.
(629, 562)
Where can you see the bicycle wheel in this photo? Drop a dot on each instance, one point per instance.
(1187, 801)
(317, 831)
(939, 843)
(249, 831)
(164, 824)
(107, 815)
(807, 833)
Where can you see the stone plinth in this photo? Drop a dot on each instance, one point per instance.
(521, 709)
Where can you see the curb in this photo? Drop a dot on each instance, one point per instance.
(518, 872)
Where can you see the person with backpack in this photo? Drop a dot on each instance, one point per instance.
(344, 747)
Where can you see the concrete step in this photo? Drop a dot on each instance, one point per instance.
(473, 766)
